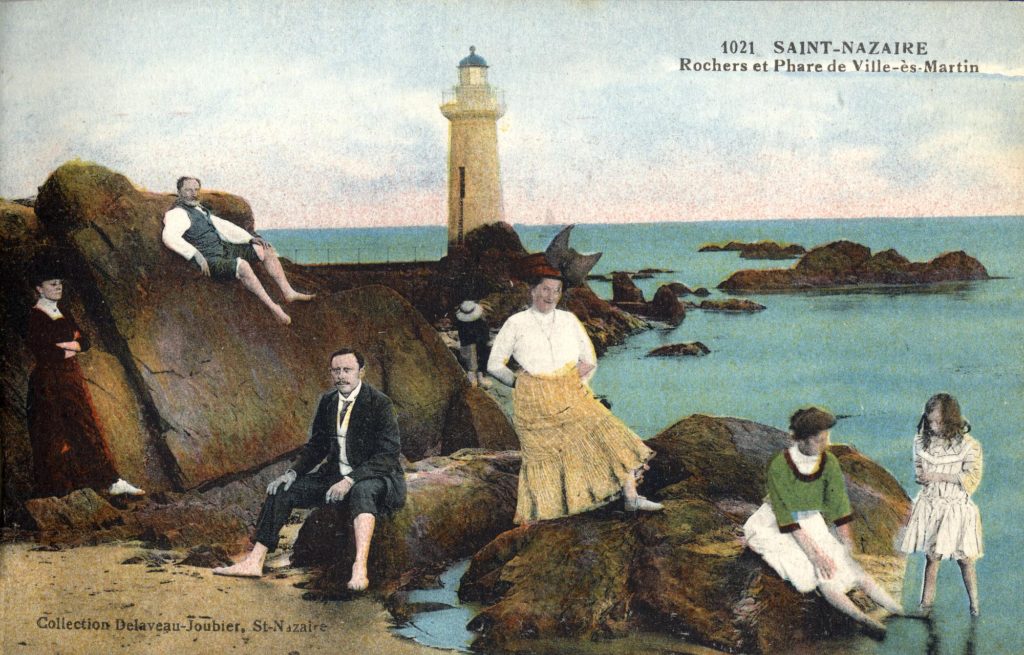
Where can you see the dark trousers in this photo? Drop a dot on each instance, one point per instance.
(365, 497)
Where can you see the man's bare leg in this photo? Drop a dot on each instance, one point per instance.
(248, 278)
(273, 265)
(363, 524)
(250, 567)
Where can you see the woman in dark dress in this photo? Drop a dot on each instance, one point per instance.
(69, 450)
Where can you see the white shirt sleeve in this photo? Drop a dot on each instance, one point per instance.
(229, 231)
(176, 222)
(501, 351)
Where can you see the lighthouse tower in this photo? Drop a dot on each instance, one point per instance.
(474, 186)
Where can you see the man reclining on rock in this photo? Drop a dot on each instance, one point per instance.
(352, 455)
(223, 250)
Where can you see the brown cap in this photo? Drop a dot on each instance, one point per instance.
(807, 422)
(536, 266)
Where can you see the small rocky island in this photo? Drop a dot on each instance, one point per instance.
(758, 249)
(689, 349)
(848, 264)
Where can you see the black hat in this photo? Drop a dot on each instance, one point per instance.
(45, 268)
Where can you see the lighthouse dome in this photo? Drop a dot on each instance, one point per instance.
(473, 60)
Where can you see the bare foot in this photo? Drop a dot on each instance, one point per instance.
(247, 568)
(295, 296)
(282, 318)
(359, 581)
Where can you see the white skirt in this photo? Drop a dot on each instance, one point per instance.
(944, 528)
(782, 552)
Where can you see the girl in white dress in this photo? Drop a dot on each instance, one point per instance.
(944, 522)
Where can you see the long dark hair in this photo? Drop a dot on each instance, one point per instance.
(952, 427)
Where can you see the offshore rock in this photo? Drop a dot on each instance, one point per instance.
(692, 349)
(623, 289)
(758, 250)
(455, 505)
(844, 263)
(665, 306)
(731, 305)
(684, 571)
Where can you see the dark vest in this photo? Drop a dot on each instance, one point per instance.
(201, 234)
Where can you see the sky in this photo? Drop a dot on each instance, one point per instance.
(327, 114)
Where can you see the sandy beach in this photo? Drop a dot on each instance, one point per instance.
(86, 601)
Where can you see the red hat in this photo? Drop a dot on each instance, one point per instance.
(536, 266)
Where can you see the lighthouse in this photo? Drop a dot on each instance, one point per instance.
(473, 108)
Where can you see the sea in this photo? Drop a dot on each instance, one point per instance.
(871, 355)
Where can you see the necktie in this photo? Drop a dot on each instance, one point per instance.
(343, 414)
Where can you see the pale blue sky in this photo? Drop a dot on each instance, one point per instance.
(326, 114)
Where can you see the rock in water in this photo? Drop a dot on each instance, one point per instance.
(844, 263)
(623, 289)
(691, 349)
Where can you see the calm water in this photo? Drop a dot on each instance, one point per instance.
(875, 356)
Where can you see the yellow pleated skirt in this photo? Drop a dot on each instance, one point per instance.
(576, 454)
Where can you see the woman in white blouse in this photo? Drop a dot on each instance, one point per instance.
(576, 455)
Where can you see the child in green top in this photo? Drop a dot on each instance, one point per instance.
(805, 488)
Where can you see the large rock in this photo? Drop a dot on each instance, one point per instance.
(683, 571)
(479, 422)
(455, 505)
(665, 306)
(217, 517)
(221, 386)
(844, 263)
(623, 289)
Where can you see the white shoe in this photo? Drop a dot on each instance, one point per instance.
(122, 486)
(643, 505)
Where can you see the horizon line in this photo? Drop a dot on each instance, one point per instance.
(664, 222)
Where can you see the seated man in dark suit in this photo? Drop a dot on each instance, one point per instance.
(352, 453)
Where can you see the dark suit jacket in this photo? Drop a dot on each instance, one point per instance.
(372, 444)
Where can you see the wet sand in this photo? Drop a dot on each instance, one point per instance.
(85, 601)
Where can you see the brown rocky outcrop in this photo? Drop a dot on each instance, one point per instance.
(844, 263)
(679, 288)
(193, 380)
(691, 349)
(218, 517)
(771, 250)
(683, 571)
(455, 505)
(731, 305)
(623, 289)
(665, 306)
(606, 324)
(758, 250)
